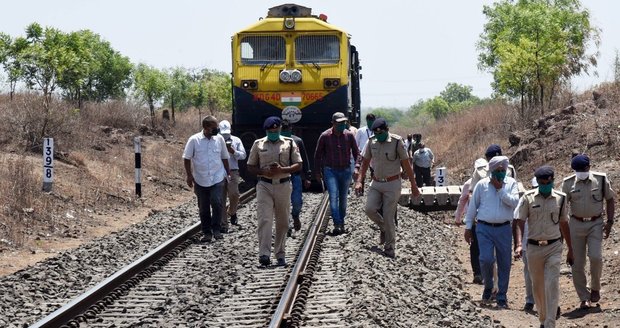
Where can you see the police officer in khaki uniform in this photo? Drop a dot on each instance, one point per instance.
(388, 153)
(585, 192)
(546, 213)
(273, 158)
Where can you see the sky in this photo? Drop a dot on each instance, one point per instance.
(409, 50)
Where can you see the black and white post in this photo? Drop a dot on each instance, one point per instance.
(48, 164)
(138, 151)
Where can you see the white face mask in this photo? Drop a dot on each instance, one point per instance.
(582, 175)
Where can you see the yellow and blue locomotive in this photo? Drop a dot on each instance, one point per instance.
(297, 66)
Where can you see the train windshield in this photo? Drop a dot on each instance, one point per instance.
(261, 50)
(318, 49)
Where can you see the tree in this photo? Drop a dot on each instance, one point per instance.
(178, 92)
(44, 59)
(455, 93)
(617, 68)
(532, 46)
(437, 107)
(391, 115)
(10, 58)
(150, 86)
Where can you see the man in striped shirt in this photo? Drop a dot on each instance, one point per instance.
(332, 163)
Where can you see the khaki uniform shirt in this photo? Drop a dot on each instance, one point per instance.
(386, 156)
(265, 152)
(585, 197)
(543, 214)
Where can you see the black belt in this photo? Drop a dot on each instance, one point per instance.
(275, 181)
(234, 169)
(494, 224)
(542, 242)
(586, 219)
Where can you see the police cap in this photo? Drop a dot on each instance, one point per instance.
(379, 123)
(493, 150)
(544, 172)
(272, 122)
(580, 162)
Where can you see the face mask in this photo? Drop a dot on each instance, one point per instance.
(381, 137)
(215, 131)
(341, 127)
(500, 175)
(369, 123)
(545, 189)
(287, 133)
(273, 136)
(582, 175)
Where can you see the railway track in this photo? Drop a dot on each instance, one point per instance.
(308, 292)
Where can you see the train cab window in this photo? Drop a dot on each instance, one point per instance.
(262, 50)
(317, 49)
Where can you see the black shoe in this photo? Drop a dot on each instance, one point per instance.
(234, 220)
(502, 305)
(390, 253)
(281, 261)
(336, 230)
(224, 230)
(478, 280)
(206, 238)
(289, 232)
(528, 307)
(595, 296)
(218, 235)
(558, 313)
(296, 223)
(264, 260)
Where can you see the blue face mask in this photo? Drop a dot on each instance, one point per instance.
(382, 137)
(369, 123)
(287, 133)
(499, 175)
(545, 189)
(341, 127)
(273, 136)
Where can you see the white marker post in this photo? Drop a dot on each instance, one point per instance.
(138, 151)
(48, 164)
(441, 176)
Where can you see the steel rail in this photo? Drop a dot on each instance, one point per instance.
(283, 311)
(84, 302)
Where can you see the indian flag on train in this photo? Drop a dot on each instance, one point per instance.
(290, 98)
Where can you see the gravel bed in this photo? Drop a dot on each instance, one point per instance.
(422, 287)
(30, 294)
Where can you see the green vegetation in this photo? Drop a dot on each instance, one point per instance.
(533, 46)
(81, 66)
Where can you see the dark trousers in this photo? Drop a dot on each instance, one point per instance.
(210, 201)
(422, 174)
(474, 252)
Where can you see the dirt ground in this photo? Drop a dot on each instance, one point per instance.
(605, 314)
(100, 225)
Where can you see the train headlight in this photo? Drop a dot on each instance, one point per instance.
(289, 23)
(331, 83)
(285, 76)
(295, 76)
(249, 84)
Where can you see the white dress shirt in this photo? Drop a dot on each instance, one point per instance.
(206, 155)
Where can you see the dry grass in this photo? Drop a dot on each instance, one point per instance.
(93, 168)
(459, 139)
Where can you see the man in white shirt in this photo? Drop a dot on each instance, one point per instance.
(235, 148)
(206, 164)
(493, 202)
(361, 138)
(423, 160)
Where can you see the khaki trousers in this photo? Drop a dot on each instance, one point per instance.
(384, 195)
(231, 188)
(587, 237)
(544, 265)
(272, 200)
